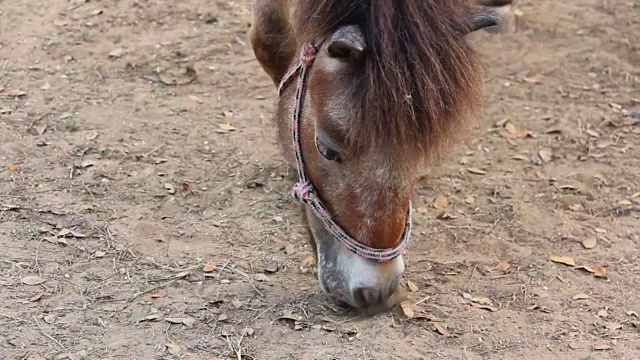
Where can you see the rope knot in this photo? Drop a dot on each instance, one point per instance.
(303, 191)
(308, 54)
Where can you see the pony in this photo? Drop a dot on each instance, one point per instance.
(369, 91)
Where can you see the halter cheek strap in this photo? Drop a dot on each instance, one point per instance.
(304, 190)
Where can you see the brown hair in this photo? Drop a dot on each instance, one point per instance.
(421, 79)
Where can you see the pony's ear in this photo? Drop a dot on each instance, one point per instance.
(482, 18)
(347, 43)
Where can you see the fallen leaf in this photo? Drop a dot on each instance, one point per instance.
(439, 328)
(60, 22)
(441, 202)
(223, 317)
(589, 243)
(580, 296)
(187, 76)
(470, 200)
(87, 163)
(117, 53)
(173, 349)
(408, 309)
(182, 274)
(12, 93)
(307, 264)
(290, 249)
(49, 319)
(585, 268)
(510, 128)
(632, 313)
(100, 254)
(422, 209)
(272, 267)
(483, 307)
(13, 167)
(160, 294)
(236, 303)
(445, 216)
(196, 99)
(563, 260)
(170, 188)
(225, 128)
(602, 347)
(91, 135)
(603, 313)
(228, 330)
(261, 277)
(482, 301)
(613, 326)
(208, 267)
(476, 171)
(545, 154)
(412, 287)
(36, 297)
(600, 271)
(33, 280)
(189, 322)
(503, 264)
(247, 331)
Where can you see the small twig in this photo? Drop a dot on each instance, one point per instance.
(47, 335)
(36, 257)
(152, 151)
(150, 290)
(12, 318)
(423, 300)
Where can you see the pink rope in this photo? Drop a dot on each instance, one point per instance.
(304, 190)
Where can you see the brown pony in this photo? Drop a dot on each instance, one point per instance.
(380, 87)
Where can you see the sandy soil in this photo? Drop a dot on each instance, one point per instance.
(145, 210)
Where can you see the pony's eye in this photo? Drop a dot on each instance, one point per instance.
(327, 152)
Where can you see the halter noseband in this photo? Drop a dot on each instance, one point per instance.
(304, 190)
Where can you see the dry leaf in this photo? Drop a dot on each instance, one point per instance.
(261, 277)
(13, 167)
(290, 249)
(589, 243)
(208, 267)
(117, 53)
(223, 317)
(580, 296)
(563, 260)
(412, 287)
(603, 313)
(11, 93)
(408, 309)
(545, 154)
(632, 313)
(307, 263)
(441, 202)
(476, 171)
(33, 280)
(247, 331)
(470, 200)
(503, 264)
(600, 271)
(483, 307)
(189, 322)
(482, 301)
(445, 216)
(272, 267)
(170, 188)
(196, 99)
(613, 326)
(173, 349)
(585, 268)
(49, 319)
(225, 128)
(602, 347)
(422, 209)
(439, 328)
(91, 135)
(236, 303)
(187, 76)
(160, 294)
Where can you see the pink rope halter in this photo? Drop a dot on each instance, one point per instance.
(304, 190)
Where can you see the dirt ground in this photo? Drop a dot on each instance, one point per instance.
(145, 209)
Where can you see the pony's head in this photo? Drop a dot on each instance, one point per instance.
(382, 87)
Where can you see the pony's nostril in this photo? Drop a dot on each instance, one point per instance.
(366, 297)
